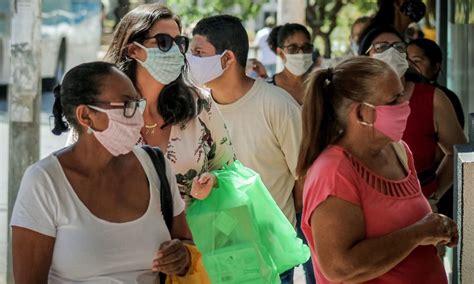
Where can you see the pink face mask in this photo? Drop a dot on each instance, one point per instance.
(122, 133)
(390, 120)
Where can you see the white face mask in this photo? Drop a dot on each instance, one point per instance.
(299, 63)
(163, 66)
(354, 48)
(397, 60)
(203, 70)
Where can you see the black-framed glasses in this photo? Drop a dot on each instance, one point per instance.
(294, 48)
(164, 42)
(129, 107)
(380, 47)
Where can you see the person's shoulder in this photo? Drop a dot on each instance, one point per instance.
(42, 168)
(276, 96)
(332, 162)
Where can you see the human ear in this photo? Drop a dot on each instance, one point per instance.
(228, 59)
(83, 116)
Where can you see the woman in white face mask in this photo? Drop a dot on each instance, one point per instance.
(292, 43)
(432, 127)
(184, 123)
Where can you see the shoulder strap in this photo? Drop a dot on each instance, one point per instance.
(402, 154)
(166, 198)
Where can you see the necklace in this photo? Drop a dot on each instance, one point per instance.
(150, 129)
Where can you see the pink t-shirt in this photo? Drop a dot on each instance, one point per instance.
(401, 203)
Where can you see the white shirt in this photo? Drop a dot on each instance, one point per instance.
(268, 57)
(266, 129)
(88, 249)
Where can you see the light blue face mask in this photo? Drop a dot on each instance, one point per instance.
(164, 67)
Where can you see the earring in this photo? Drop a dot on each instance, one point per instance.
(89, 130)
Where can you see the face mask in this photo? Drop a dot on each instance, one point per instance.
(397, 60)
(164, 67)
(413, 9)
(391, 120)
(354, 48)
(203, 70)
(122, 133)
(299, 63)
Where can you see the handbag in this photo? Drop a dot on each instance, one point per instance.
(197, 273)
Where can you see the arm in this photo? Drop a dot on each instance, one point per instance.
(449, 133)
(346, 255)
(32, 255)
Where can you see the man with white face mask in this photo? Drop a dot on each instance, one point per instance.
(263, 120)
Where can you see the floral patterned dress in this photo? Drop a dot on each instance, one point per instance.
(199, 145)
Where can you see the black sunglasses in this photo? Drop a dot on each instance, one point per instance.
(164, 42)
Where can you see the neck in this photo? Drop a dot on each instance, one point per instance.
(150, 90)
(230, 87)
(91, 162)
(401, 24)
(291, 77)
(361, 146)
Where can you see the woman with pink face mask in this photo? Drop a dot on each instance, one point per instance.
(432, 124)
(364, 215)
(90, 212)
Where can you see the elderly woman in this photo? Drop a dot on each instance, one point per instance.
(90, 212)
(364, 215)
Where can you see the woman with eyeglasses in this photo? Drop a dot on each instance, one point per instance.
(364, 215)
(292, 43)
(179, 119)
(90, 212)
(432, 122)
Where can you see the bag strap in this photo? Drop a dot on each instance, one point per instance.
(166, 199)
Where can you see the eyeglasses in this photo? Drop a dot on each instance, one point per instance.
(129, 107)
(380, 47)
(164, 42)
(294, 48)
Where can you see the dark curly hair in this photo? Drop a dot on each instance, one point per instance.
(280, 34)
(80, 86)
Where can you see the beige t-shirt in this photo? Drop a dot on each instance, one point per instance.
(265, 128)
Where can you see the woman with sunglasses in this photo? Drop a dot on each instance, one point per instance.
(292, 43)
(184, 123)
(432, 122)
(90, 213)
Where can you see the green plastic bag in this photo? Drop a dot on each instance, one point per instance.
(242, 234)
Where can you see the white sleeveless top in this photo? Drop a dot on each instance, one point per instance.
(88, 249)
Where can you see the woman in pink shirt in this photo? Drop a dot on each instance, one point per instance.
(364, 215)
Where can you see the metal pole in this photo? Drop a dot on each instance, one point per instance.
(24, 99)
(442, 36)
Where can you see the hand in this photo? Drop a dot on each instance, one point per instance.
(202, 185)
(437, 229)
(258, 67)
(172, 258)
